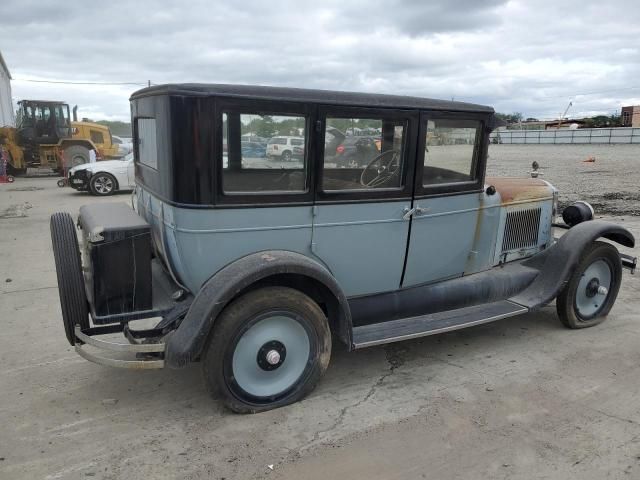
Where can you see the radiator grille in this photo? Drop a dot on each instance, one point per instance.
(521, 229)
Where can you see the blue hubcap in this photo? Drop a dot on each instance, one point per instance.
(271, 356)
(593, 288)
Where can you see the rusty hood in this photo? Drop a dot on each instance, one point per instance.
(520, 189)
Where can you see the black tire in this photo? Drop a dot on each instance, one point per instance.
(286, 156)
(103, 184)
(76, 155)
(243, 314)
(566, 303)
(73, 299)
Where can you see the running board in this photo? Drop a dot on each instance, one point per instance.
(414, 327)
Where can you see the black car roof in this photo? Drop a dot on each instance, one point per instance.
(307, 95)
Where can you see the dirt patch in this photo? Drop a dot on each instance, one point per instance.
(25, 189)
(18, 210)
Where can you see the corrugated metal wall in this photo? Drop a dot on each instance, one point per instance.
(581, 135)
(7, 115)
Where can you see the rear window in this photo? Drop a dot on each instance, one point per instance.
(146, 142)
(247, 167)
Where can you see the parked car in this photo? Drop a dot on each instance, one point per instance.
(256, 270)
(249, 137)
(254, 149)
(356, 151)
(282, 147)
(125, 145)
(105, 177)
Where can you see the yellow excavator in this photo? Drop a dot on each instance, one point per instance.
(46, 139)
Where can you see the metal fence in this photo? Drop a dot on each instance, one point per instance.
(581, 135)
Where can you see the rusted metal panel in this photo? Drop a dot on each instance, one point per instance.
(513, 190)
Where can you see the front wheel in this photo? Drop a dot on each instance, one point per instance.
(102, 184)
(592, 289)
(268, 349)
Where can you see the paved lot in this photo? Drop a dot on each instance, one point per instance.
(522, 398)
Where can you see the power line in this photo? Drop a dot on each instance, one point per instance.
(65, 82)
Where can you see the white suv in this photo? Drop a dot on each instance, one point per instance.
(285, 147)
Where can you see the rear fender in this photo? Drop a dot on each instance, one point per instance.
(557, 263)
(187, 343)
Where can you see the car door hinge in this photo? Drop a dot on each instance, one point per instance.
(314, 211)
(318, 126)
(313, 247)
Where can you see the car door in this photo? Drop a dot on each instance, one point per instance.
(359, 227)
(118, 169)
(448, 189)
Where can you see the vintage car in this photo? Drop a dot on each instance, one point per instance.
(258, 269)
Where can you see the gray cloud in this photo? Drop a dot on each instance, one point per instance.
(523, 56)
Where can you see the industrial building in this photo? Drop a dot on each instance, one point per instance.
(631, 116)
(7, 115)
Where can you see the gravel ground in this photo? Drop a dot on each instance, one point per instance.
(610, 183)
(518, 399)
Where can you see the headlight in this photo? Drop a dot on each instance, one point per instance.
(577, 213)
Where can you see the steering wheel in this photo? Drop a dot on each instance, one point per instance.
(384, 171)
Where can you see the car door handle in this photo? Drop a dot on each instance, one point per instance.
(417, 211)
(408, 212)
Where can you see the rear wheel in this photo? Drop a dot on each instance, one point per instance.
(268, 349)
(592, 289)
(66, 254)
(103, 184)
(286, 156)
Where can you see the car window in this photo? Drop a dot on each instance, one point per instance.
(263, 167)
(449, 151)
(146, 142)
(297, 141)
(363, 154)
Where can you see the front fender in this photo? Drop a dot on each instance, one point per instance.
(558, 262)
(188, 341)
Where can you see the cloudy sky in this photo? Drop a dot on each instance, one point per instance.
(518, 56)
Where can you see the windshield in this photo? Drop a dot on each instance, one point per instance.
(50, 119)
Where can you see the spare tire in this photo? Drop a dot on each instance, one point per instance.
(73, 299)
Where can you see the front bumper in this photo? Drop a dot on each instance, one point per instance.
(80, 179)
